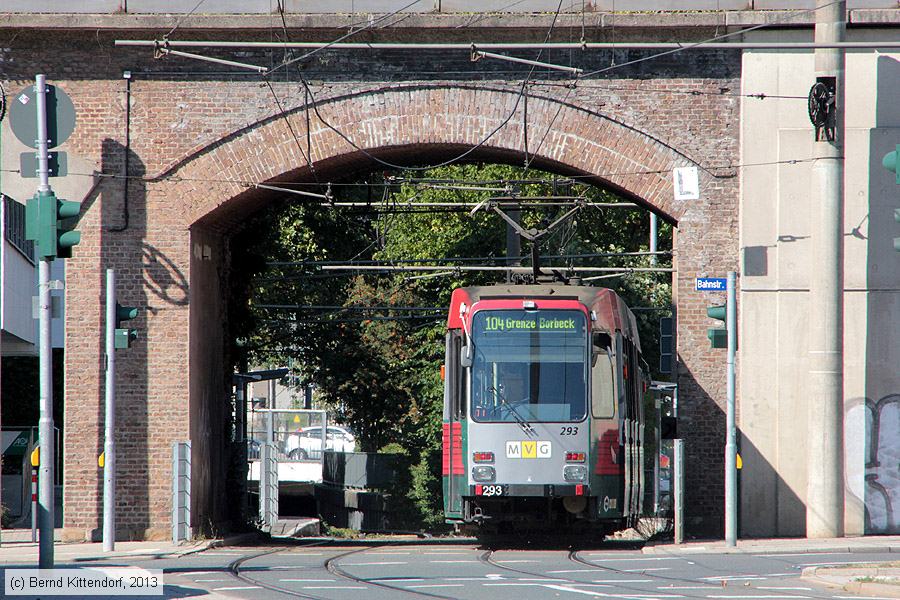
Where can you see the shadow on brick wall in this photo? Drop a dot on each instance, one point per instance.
(123, 210)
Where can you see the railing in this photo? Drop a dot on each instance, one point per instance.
(359, 470)
(181, 7)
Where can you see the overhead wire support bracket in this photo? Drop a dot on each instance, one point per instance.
(479, 54)
(162, 49)
(327, 196)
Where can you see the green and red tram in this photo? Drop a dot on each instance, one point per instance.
(543, 418)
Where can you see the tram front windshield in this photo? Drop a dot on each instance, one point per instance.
(529, 366)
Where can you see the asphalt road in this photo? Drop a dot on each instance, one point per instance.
(321, 570)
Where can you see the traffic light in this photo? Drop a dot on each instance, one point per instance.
(718, 336)
(890, 163)
(124, 335)
(50, 223)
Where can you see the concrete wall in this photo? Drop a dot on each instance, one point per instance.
(776, 211)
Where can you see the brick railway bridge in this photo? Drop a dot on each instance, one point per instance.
(192, 135)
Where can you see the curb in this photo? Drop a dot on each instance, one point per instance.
(844, 582)
(867, 588)
(715, 547)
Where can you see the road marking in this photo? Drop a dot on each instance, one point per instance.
(734, 578)
(574, 571)
(333, 587)
(798, 589)
(687, 587)
(447, 562)
(244, 587)
(800, 554)
(562, 588)
(825, 564)
(516, 561)
(434, 585)
(393, 579)
(642, 558)
(372, 564)
(762, 597)
(488, 578)
(512, 584)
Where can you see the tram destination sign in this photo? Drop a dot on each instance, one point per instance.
(712, 284)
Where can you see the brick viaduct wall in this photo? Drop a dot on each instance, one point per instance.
(196, 136)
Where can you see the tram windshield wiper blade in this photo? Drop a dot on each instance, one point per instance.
(525, 425)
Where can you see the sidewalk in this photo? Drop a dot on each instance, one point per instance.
(16, 548)
(878, 579)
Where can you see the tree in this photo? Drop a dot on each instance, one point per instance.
(376, 366)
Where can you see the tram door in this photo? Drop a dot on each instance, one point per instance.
(454, 414)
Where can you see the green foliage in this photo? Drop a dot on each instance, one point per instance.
(376, 367)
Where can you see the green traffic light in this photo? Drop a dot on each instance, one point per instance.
(50, 224)
(716, 312)
(889, 162)
(125, 313)
(897, 239)
(124, 335)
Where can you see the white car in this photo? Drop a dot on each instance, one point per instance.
(307, 442)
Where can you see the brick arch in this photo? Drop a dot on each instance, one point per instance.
(407, 124)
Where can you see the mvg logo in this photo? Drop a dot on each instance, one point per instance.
(528, 449)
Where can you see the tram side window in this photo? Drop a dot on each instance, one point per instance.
(603, 388)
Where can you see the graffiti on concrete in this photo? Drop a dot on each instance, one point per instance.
(872, 439)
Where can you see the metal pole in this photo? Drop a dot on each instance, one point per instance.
(678, 490)
(730, 433)
(109, 445)
(34, 503)
(825, 443)
(657, 434)
(46, 499)
(699, 45)
(653, 235)
(513, 243)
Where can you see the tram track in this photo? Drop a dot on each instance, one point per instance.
(241, 570)
(573, 556)
(331, 565)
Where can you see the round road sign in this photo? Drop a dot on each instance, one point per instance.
(60, 116)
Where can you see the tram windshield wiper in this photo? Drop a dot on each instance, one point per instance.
(525, 425)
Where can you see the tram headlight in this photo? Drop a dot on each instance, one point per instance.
(575, 473)
(483, 473)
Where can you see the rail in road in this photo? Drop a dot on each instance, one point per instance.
(328, 570)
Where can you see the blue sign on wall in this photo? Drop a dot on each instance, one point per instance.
(712, 284)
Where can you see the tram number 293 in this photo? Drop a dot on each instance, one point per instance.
(493, 490)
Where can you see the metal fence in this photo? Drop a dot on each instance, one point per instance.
(296, 434)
